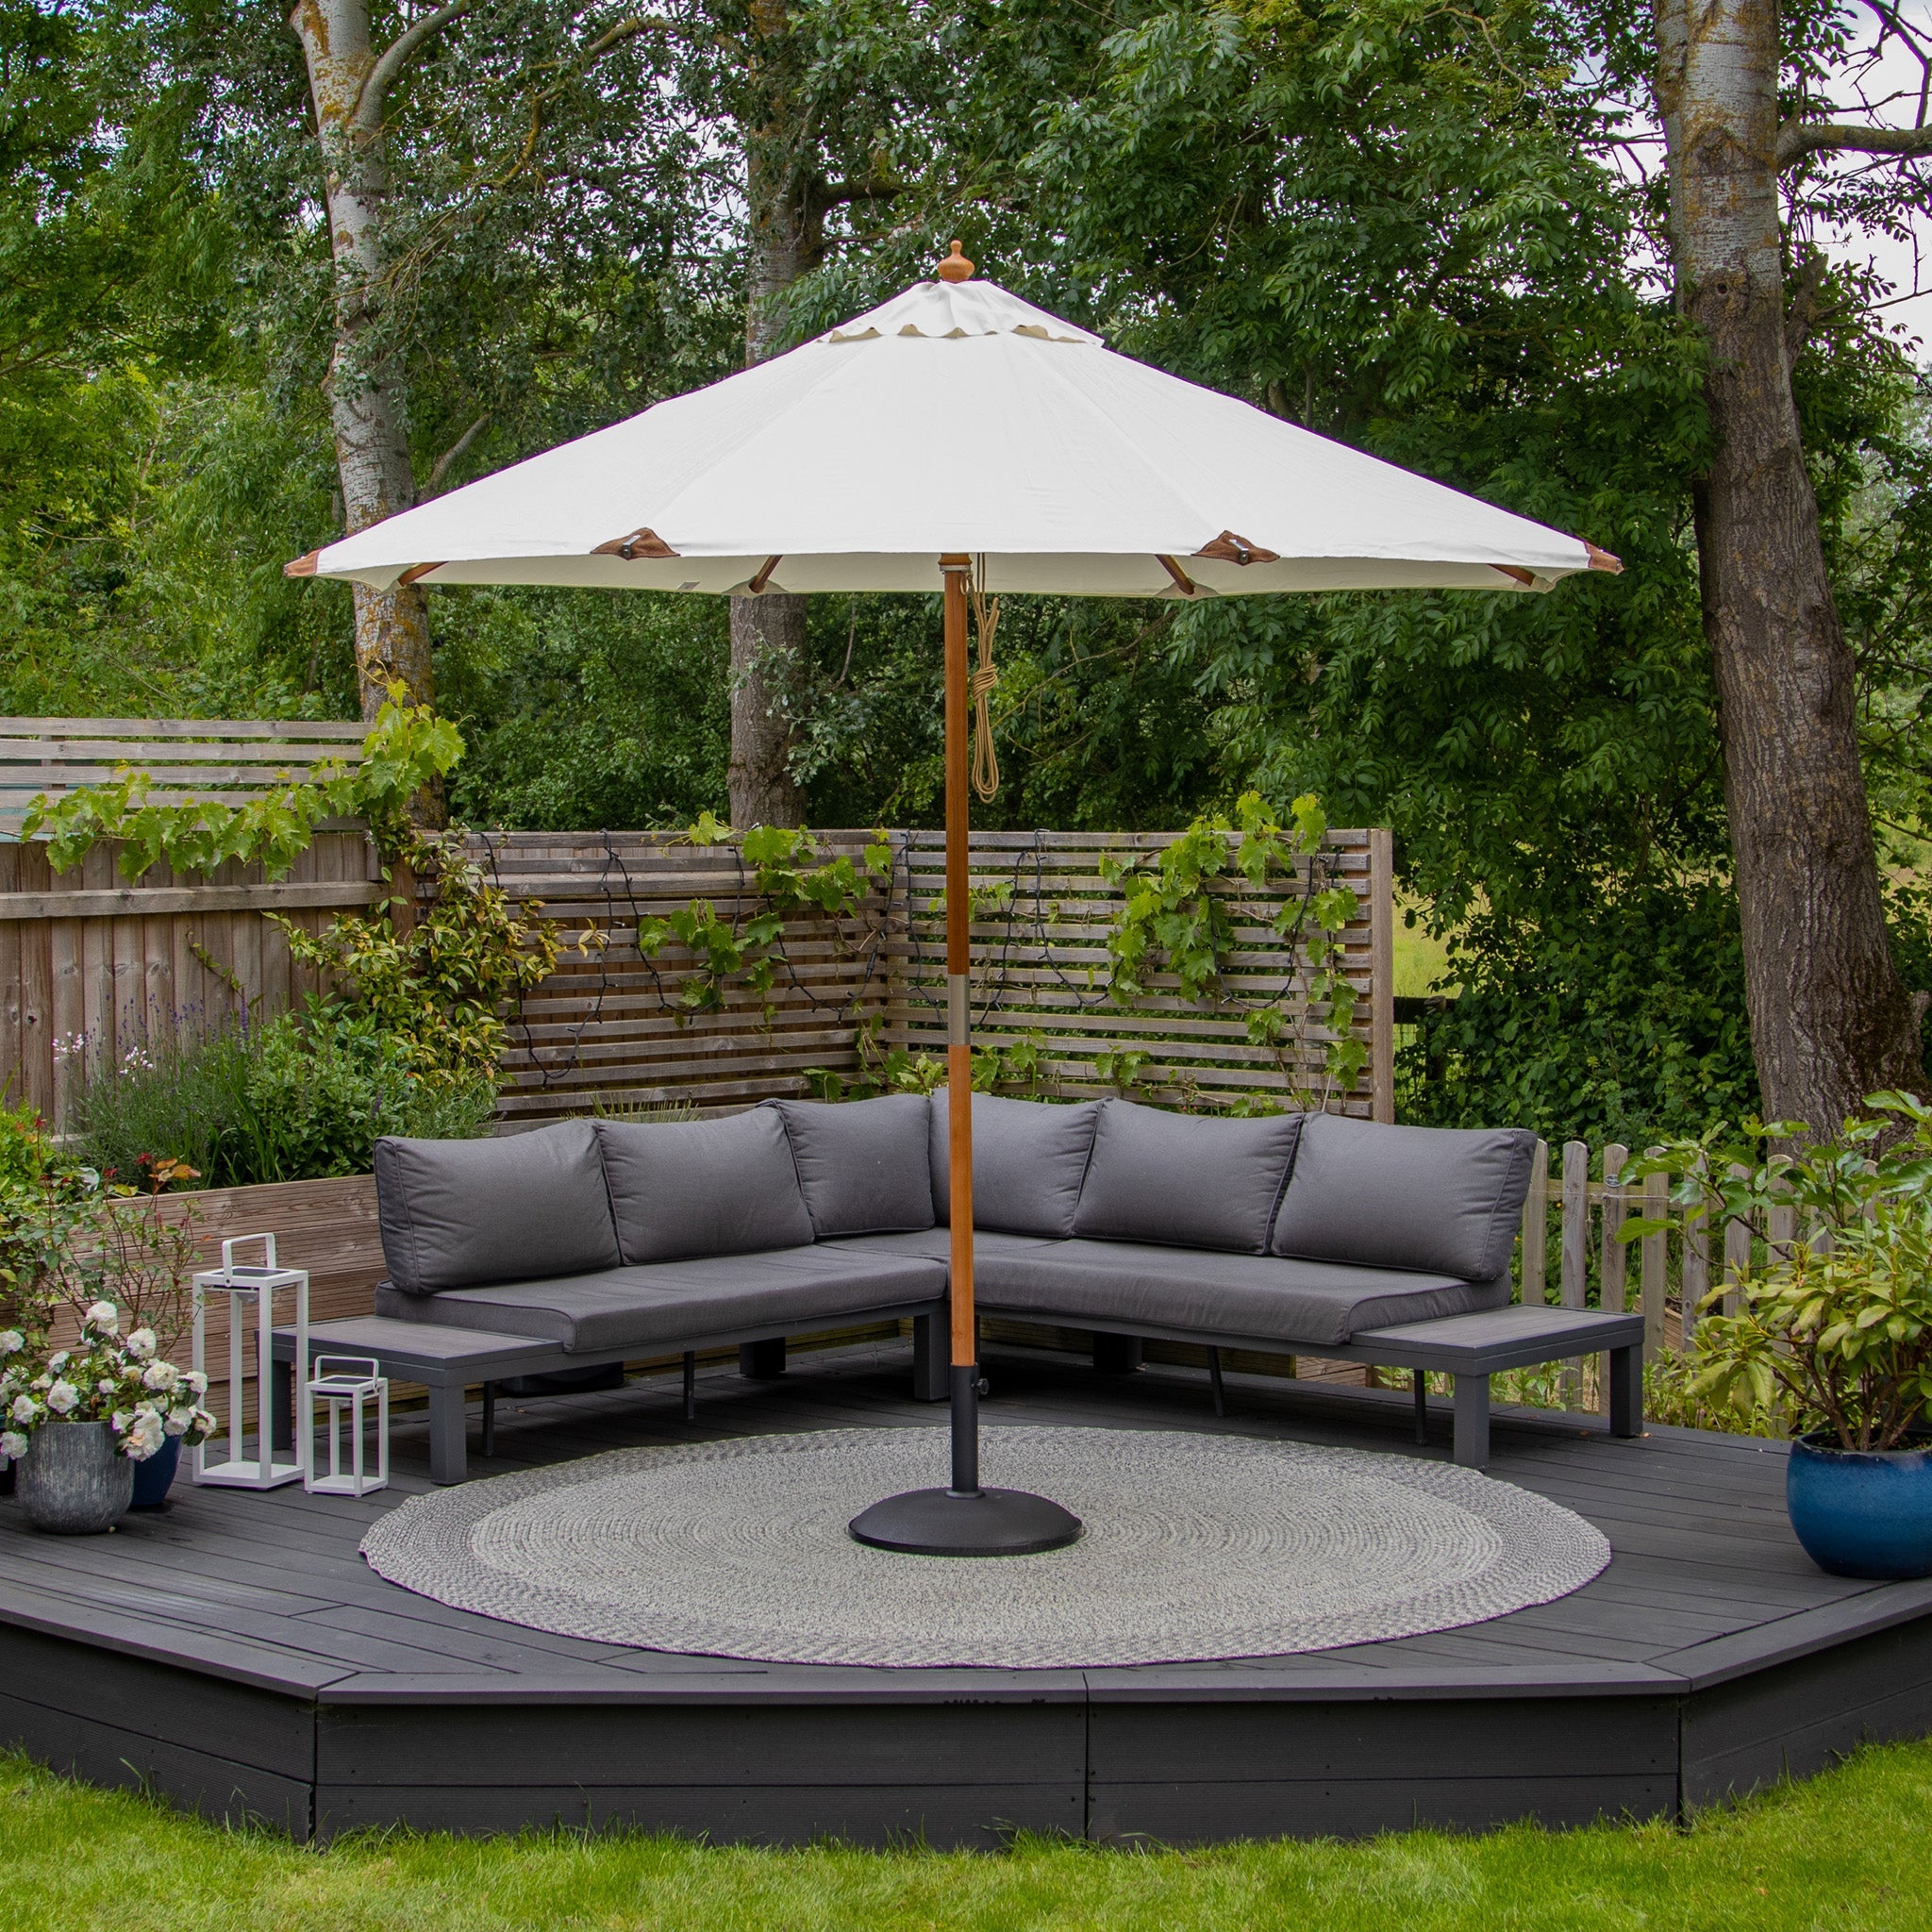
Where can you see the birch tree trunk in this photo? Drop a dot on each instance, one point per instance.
(784, 240)
(1830, 1019)
(348, 79)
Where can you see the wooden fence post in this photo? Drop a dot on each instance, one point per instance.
(1382, 972)
(1536, 1228)
(1573, 1280)
(1657, 1204)
(1737, 1248)
(1613, 1263)
(1696, 1266)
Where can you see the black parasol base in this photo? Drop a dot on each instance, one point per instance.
(966, 1520)
(943, 1522)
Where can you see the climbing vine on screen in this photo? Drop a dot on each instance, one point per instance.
(1176, 919)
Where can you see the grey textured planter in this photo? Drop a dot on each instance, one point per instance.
(72, 1481)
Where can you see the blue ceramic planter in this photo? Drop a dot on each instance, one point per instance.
(154, 1477)
(1862, 1512)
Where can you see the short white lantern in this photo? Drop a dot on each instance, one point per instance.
(347, 1382)
(251, 1289)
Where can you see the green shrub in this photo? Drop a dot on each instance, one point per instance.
(300, 1097)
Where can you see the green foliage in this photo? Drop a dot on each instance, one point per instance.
(1175, 920)
(436, 986)
(790, 874)
(1835, 1337)
(407, 746)
(303, 1096)
(1605, 1018)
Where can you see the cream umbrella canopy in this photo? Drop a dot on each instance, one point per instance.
(955, 432)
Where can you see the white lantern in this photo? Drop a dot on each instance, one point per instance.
(346, 1382)
(251, 1290)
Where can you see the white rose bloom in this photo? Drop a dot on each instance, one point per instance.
(195, 1381)
(12, 1342)
(104, 1316)
(12, 1444)
(25, 1408)
(62, 1397)
(142, 1342)
(180, 1421)
(145, 1437)
(164, 1376)
(58, 1361)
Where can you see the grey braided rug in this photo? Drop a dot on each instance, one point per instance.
(1196, 1547)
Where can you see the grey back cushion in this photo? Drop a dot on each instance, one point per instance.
(1445, 1200)
(1185, 1180)
(1029, 1158)
(680, 1189)
(861, 1164)
(460, 1214)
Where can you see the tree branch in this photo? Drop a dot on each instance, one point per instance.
(366, 115)
(454, 451)
(1797, 138)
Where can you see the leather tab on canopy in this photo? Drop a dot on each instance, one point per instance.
(1228, 548)
(639, 543)
(302, 566)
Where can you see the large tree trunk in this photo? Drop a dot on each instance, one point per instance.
(1830, 1020)
(785, 238)
(366, 395)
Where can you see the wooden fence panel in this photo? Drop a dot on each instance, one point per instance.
(93, 966)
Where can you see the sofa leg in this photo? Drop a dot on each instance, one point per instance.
(691, 1387)
(1626, 1391)
(489, 1419)
(1214, 1382)
(932, 1358)
(1419, 1391)
(761, 1360)
(1473, 1421)
(1116, 1355)
(449, 1435)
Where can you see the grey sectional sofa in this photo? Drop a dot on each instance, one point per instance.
(596, 1241)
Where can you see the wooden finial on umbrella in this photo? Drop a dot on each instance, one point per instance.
(956, 268)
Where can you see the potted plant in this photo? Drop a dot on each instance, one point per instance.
(1832, 1336)
(94, 1299)
(80, 1418)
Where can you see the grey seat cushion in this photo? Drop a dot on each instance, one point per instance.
(861, 1164)
(673, 1302)
(1405, 1197)
(1187, 1180)
(1029, 1158)
(457, 1213)
(717, 1186)
(936, 1244)
(1119, 1285)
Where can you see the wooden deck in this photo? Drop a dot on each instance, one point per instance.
(236, 1654)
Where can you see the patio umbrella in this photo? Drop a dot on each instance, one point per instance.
(958, 434)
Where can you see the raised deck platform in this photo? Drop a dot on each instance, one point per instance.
(236, 1654)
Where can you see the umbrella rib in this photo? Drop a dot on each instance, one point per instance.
(757, 586)
(1182, 581)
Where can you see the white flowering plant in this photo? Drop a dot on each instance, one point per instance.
(105, 1377)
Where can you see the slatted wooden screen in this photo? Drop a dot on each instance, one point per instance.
(87, 958)
(186, 758)
(1040, 973)
(605, 1031)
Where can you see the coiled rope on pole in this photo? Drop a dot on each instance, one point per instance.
(983, 678)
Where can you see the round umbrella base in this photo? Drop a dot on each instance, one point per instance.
(944, 1522)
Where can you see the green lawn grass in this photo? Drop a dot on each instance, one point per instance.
(1852, 1848)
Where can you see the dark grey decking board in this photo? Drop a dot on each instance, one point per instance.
(258, 1666)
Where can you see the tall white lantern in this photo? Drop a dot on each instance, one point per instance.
(252, 1291)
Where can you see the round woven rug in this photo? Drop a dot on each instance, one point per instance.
(1196, 1547)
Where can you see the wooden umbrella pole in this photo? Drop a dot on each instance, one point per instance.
(965, 1379)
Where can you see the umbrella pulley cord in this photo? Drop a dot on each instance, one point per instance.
(980, 684)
